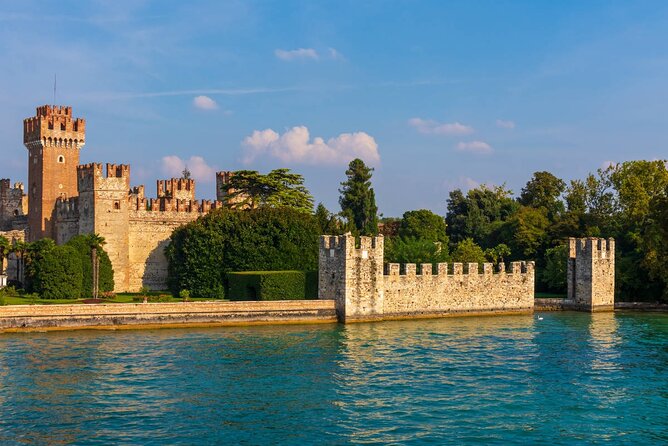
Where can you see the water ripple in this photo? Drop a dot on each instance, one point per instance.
(570, 378)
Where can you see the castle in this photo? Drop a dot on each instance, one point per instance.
(65, 199)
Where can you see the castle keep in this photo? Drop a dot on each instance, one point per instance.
(64, 199)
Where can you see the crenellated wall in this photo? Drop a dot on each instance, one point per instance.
(13, 205)
(354, 277)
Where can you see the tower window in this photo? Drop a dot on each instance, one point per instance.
(61, 159)
(117, 205)
(62, 126)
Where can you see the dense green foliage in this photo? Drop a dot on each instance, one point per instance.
(414, 250)
(84, 245)
(271, 285)
(626, 201)
(358, 200)
(5, 249)
(328, 223)
(201, 253)
(59, 274)
(554, 273)
(278, 188)
(467, 251)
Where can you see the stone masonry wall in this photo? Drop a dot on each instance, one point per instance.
(149, 233)
(354, 278)
(426, 293)
(591, 274)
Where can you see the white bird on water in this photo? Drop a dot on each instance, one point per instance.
(540, 318)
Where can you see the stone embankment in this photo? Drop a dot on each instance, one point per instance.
(154, 315)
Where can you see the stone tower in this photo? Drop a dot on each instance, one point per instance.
(104, 209)
(352, 276)
(591, 274)
(53, 139)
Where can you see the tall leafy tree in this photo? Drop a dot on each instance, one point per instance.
(329, 224)
(544, 190)
(423, 224)
(358, 200)
(479, 214)
(249, 189)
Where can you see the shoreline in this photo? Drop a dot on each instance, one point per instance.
(149, 316)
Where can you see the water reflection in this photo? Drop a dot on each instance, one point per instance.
(568, 377)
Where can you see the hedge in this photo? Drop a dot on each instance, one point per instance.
(273, 285)
(59, 274)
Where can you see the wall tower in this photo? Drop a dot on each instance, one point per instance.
(104, 209)
(53, 139)
(352, 276)
(591, 273)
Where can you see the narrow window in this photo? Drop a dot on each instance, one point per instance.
(117, 205)
(62, 126)
(61, 159)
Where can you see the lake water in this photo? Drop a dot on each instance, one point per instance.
(570, 378)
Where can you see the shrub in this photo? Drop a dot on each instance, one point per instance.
(185, 295)
(271, 285)
(554, 274)
(83, 245)
(59, 274)
(201, 253)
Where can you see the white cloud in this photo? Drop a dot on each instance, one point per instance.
(475, 147)
(296, 146)
(173, 166)
(431, 127)
(298, 54)
(503, 124)
(204, 103)
(334, 54)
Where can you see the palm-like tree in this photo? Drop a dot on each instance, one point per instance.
(19, 249)
(5, 249)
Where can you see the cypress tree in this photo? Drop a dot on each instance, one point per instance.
(358, 200)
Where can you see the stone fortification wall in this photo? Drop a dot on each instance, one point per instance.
(41, 317)
(426, 293)
(149, 233)
(13, 205)
(591, 274)
(353, 276)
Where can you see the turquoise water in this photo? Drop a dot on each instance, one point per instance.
(570, 378)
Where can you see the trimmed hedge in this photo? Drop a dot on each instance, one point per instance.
(273, 285)
(59, 274)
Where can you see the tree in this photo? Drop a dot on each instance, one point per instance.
(58, 274)
(423, 225)
(358, 200)
(329, 224)
(479, 213)
(497, 254)
(467, 251)
(202, 252)
(186, 173)
(544, 190)
(5, 249)
(413, 250)
(526, 232)
(249, 189)
(554, 274)
(84, 246)
(33, 253)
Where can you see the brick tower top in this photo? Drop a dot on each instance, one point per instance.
(54, 126)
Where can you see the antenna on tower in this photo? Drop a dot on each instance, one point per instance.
(54, 89)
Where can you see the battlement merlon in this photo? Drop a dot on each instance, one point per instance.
(591, 247)
(346, 244)
(181, 188)
(91, 177)
(67, 208)
(54, 124)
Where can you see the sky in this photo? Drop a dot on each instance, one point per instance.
(435, 95)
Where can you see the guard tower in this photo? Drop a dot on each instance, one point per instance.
(53, 139)
(591, 274)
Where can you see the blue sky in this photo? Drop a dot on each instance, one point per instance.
(436, 95)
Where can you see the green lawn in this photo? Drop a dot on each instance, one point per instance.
(120, 298)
